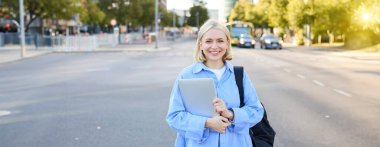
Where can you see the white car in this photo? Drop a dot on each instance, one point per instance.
(246, 40)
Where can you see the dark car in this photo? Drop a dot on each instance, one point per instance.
(246, 40)
(270, 42)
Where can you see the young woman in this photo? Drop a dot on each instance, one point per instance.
(231, 127)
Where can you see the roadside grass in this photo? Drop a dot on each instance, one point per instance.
(374, 49)
(340, 45)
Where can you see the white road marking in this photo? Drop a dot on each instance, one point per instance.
(342, 92)
(318, 83)
(301, 76)
(4, 112)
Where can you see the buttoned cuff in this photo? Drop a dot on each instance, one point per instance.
(197, 131)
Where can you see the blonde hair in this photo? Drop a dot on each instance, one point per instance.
(212, 24)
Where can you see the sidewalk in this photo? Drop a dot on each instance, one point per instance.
(359, 55)
(335, 50)
(13, 53)
(162, 45)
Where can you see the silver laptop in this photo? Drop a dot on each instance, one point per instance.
(197, 95)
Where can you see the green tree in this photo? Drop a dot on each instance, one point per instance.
(249, 12)
(44, 9)
(198, 15)
(147, 17)
(118, 10)
(92, 14)
(241, 12)
(364, 26)
(277, 13)
(259, 14)
(356, 20)
(167, 19)
(295, 14)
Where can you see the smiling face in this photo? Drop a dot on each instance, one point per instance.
(214, 45)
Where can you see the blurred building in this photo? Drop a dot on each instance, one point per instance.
(162, 3)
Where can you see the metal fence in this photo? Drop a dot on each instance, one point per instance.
(60, 43)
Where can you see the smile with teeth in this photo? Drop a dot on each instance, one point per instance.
(214, 52)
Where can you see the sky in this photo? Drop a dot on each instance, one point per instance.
(186, 4)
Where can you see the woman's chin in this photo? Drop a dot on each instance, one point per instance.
(214, 58)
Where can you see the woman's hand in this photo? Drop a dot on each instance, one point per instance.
(221, 108)
(217, 123)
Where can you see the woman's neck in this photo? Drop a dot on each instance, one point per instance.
(214, 64)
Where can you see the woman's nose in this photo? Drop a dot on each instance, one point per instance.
(214, 45)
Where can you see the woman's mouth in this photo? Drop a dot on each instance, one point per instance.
(214, 52)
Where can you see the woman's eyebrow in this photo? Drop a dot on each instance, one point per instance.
(213, 38)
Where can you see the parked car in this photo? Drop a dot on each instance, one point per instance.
(246, 40)
(269, 41)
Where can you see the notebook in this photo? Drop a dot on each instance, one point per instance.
(197, 95)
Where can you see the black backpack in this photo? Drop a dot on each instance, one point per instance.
(262, 134)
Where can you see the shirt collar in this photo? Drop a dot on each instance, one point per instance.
(199, 66)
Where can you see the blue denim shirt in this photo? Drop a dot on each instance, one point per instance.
(191, 131)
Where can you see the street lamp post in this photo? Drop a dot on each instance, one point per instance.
(22, 29)
(308, 25)
(174, 18)
(156, 22)
(197, 14)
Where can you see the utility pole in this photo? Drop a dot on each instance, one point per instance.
(173, 18)
(309, 21)
(156, 21)
(22, 29)
(197, 14)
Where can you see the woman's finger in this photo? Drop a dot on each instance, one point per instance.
(223, 119)
(215, 100)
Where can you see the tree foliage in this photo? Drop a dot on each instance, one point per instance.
(326, 17)
(259, 12)
(249, 12)
(44, 9)
(167, 18)
(295, 15)
(277, 13)
(118, 10)
(198, 13)
(94, 14)
(241, 12)
(133, 12)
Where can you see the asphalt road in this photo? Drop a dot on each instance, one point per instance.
(115, 99)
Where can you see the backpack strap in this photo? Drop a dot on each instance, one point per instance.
(262, 134)
(239, 72)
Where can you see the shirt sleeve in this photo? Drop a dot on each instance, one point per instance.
(186, 124)
(252, 112)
